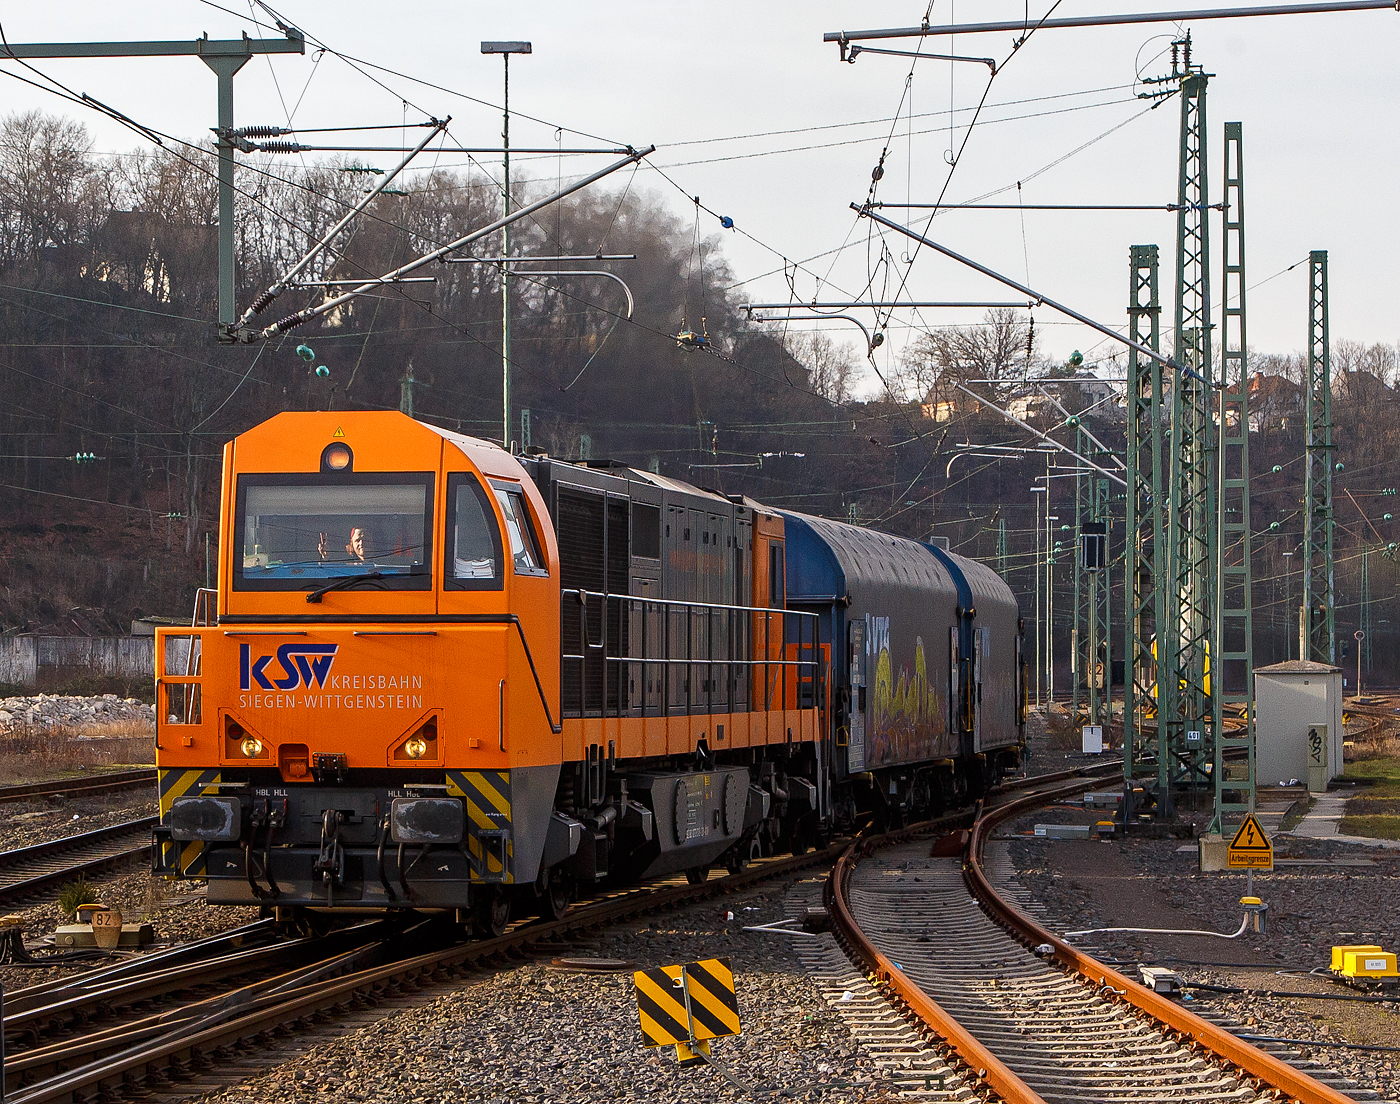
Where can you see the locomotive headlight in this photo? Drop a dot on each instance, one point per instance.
(337, 457)
(415, 747)
(251, 747)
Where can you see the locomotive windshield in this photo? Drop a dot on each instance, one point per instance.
(302, 531)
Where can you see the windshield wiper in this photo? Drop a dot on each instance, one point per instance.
(342, 583)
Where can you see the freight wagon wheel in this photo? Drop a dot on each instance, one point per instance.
(697, 875)
(491, 915)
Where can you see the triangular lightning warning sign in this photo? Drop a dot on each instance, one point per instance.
(1250, 837)
(338, 432)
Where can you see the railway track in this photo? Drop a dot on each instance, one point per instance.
(97, 784)
(28, 872)
(1021, 1015)
(153, 1056)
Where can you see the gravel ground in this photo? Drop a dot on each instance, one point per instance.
(1151, 883)
(531, 1034)
(26, 823)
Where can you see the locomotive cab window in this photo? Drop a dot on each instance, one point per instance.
(524, 545)
(473, 538)
(300, 531)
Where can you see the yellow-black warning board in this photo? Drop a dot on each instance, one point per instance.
(678, 1003)
(1250, 849)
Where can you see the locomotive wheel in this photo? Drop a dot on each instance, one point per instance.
(558, 896)
(491, 915)
(697, 875)
(739, 857)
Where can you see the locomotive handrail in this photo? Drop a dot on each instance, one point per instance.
(694, 662)
(554, 726)
(777, 610)
(665, 608)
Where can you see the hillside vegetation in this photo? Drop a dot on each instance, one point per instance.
(108, 292)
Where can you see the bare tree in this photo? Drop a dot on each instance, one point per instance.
(831, 368)
(50, 194)
(990, 358)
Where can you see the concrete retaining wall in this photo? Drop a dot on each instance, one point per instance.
(45, 661)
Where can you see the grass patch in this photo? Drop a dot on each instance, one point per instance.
(74, 895)
(1296, 812)
(1381, 775)
(1375, 811)
(33, 756)
(1373, 827)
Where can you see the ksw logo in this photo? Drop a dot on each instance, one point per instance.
(302, 665)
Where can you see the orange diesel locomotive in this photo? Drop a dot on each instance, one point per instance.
(437, 675)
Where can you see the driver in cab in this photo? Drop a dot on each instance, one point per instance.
(354, 550)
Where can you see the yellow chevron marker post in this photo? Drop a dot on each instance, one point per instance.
(687, 1006)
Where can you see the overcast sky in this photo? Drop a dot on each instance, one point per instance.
(1316, 94)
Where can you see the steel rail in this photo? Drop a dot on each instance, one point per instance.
(21, 855)
(1109, 982)
(12, 862)
(19, 1001)
(151, 1058)
(982, 1066)
(18, 891)
(95, 784)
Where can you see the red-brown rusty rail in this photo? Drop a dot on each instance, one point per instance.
(1255, 1063)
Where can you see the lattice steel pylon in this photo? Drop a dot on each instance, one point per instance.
(1185, 732)
(1101, 616)
(1318, 574)
(1093, 664)
(1145, 541)
(1232, 646)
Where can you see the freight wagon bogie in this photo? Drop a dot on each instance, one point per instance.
(443, 677)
